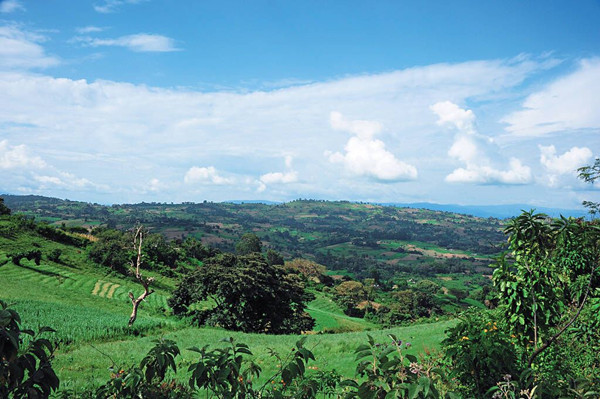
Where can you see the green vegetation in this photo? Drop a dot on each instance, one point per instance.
(339, 235)
(382, 325)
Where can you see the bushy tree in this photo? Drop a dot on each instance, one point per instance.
(250, 295)
(349, 294)
(111, 250)
(308, 268)
(274, 257)
(4, 210)
(248, 244)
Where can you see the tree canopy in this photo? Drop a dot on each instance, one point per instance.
(248, 295)
(248, 244)
(4, 210)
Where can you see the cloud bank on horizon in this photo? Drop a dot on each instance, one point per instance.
(478, 131)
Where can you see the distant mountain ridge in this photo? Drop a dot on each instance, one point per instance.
(495, 211)
(485, 211)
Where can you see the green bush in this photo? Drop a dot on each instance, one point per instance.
(481, 351)
(25, 370)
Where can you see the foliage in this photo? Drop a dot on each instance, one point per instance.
(60, 236)
(481, 351)
(349, 294)
(4, 210)
(54, 255)
(34, 254)
(25, 371)
(308, 268)
(148, 379)
(553, 273)
(274, 257)
(194, 249)
(250, 295)
(110, 250)
(391, 374)
(248, 244)
(319, 230)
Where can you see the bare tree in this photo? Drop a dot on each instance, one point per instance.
(138, 238)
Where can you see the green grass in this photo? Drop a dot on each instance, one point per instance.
(329, 317)
(89, 311)
(92, 328)
(76, 325)
(89, 364)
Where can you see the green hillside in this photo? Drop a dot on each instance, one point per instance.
(354, 237)
(89, 307)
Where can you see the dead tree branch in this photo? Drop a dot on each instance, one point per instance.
(138, 239)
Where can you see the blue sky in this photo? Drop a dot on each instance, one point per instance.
(464, 102)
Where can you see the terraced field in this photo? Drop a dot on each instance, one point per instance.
(92, 328)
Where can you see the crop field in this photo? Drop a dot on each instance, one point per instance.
(89, 312)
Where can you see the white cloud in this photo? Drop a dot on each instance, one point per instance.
(99, 126)
(557, 166)
(21, 49)
(89, 29)
(63, 180)
(155, 185)
(109, 6)
(450, 113)
(279, 177)
(367, 156)
(141, 42)
(570, 102)
(13, 157)
(481, 174)
(32, 168)
(475, 151)
(205, 175)
(8, 6)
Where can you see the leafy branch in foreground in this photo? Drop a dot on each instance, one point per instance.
(24, 371)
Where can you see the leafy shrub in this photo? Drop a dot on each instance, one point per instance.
(481, 351)
(391, 374)
(24, 371)
(54, 255)
(148, 379)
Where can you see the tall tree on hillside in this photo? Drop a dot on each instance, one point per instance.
(248, 244)
(138, 239)
(4, 210)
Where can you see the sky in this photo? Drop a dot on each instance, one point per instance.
(461, 102)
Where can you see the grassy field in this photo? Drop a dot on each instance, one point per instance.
(90, 312)
(89, 308)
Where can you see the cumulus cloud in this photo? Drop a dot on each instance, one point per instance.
(565, 163)
(205, 175)
(63, 180)
(450, 113)
(287, 177)
(366, 156)
(475, 151)
(68, 122)
(141, 42)
(12, 157)
(22, 49)
(279, 177)
(481, 174)
(19, 160)
(8, 6)
(570, 102)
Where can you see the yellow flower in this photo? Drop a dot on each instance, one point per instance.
(464, 338)
(485, 330)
